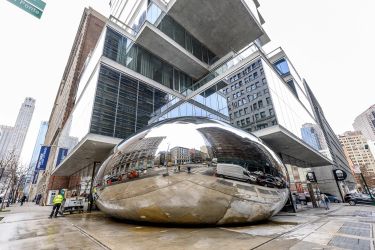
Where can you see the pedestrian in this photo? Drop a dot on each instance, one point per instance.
(57, 200)
(324, 200)
(23, 199)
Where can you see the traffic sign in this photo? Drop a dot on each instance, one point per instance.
(30, 8)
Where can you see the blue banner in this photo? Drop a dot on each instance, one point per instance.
(61, 155)
(35, 177)
(43, 158)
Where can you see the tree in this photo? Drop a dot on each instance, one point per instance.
(10, 179)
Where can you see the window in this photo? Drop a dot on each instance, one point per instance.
(248, 89)
(234, 96)
(256, 117)
(242, 92)
(240, 112)
(268, 100)
(257, 84)
(264, 81)
(282, 67)
(292, 87)
(240, 103)
(238, 123)
(255, 106)
(250, 98)
(261, 71)
(243, 122)
(266, 91)
(255, 75)
(260, 104)
(246, 110)
(262, 114)
(253, 86)
(244, 101)
(271, 112)
(247, 120)
(236, 114)
(232, 87)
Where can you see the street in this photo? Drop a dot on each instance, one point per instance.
(341, 227)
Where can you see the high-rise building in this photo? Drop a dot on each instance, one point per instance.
(13, 138)
(333, 150)
(32, 174)
(6, 133)
(162, 59)
(86, 38)
(358, 151)
(365, 123)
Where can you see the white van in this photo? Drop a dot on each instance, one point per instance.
(233, 171)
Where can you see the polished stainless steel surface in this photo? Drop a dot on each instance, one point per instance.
(192, 170)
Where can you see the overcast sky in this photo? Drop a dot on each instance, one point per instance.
(331, 44)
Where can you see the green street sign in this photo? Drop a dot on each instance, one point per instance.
(26, 6)
(37, 3)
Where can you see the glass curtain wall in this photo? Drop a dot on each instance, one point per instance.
(122, 50)
(122, 104)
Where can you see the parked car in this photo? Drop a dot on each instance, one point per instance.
(332, 198)
(347, 197)
(360, 199)
(236, 172)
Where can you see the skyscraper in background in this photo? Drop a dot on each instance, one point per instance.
(13, 138)
(365, 123)
(358, 151)
(31, 174)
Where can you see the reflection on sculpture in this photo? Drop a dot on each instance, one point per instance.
(192, 170)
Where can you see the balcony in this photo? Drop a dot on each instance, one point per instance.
(221, 25)
(154, 40)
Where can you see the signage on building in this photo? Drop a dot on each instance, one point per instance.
(61, 155)
(43, 158)
(339, 174)
(33, 7)
(310, 176)
(35, 177)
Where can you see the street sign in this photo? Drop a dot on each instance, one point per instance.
(339, 174)
(29, 7)
(37, 3)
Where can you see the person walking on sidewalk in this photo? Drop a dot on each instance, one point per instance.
(23, 199)
(57, 200)
(324, 199)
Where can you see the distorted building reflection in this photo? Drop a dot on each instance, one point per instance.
(192, 163)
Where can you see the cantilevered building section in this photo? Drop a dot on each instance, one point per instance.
(163, 59)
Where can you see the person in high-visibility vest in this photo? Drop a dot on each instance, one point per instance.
(57, 200)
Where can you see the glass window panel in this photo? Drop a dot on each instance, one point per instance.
(126, 111)
(144, 105)
(104, 112)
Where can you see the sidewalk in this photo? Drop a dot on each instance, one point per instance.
(29, 227)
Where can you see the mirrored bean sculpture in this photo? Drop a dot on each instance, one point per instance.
(192, 170)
